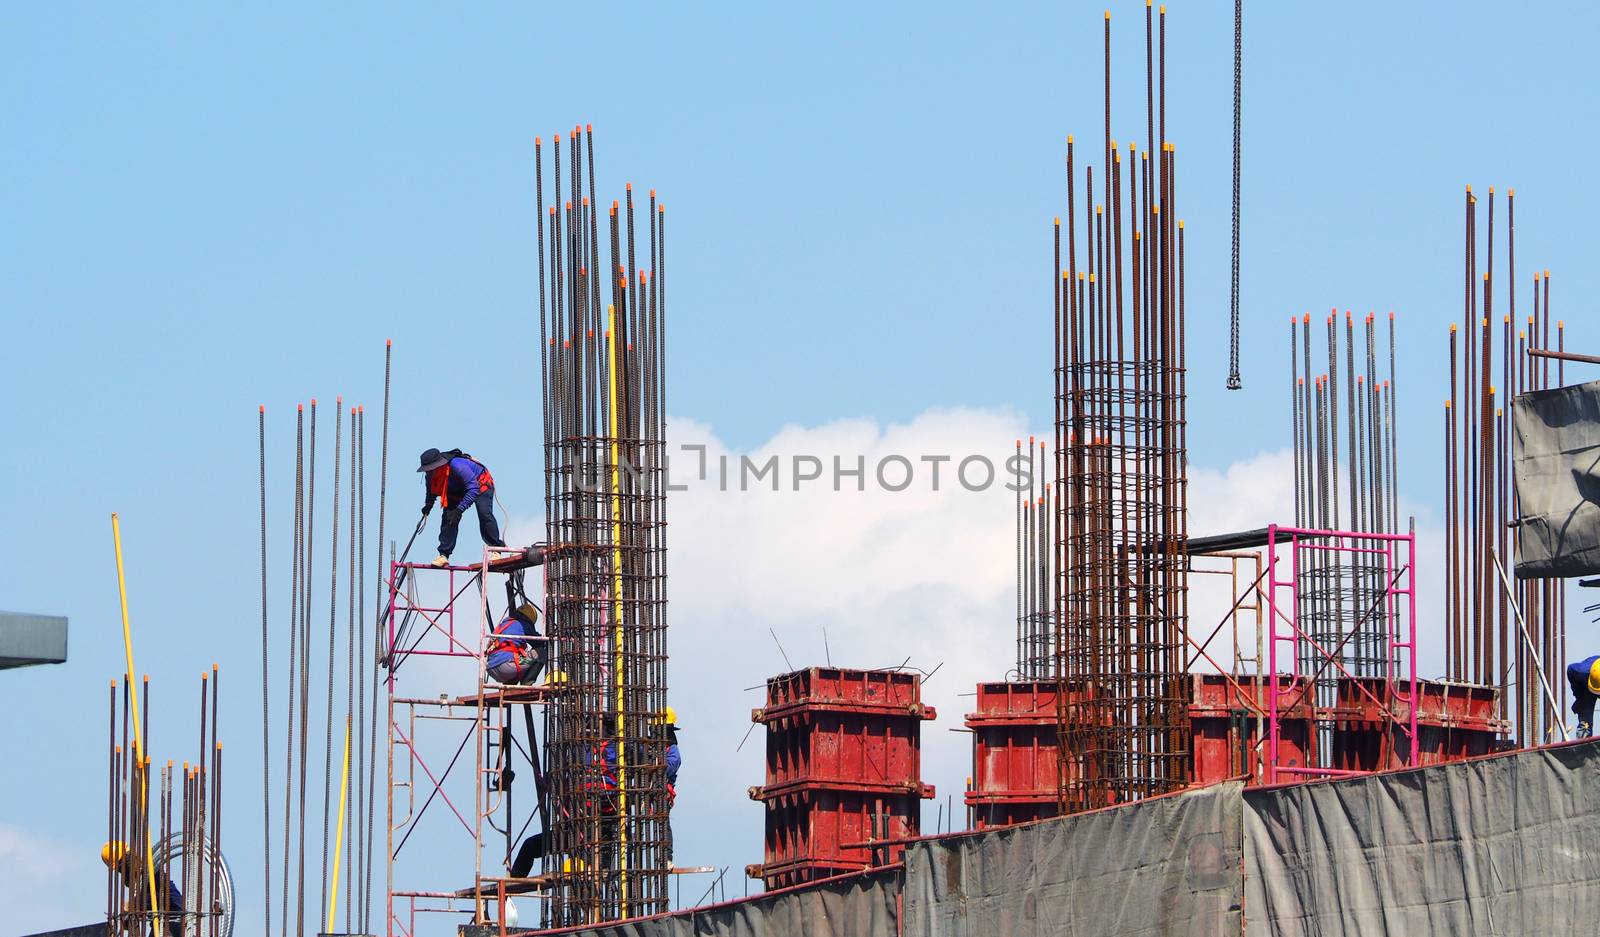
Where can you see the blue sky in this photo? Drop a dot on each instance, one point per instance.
(207, 209)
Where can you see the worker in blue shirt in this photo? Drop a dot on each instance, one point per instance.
(459, 482)
(1584, 678)
(604, 786)
(674, 759)
(510, 658)
(129, 866)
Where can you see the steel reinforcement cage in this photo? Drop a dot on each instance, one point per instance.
(608, 852)
(1121, 465)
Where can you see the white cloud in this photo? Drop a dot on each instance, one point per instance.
(919, 574)
(47, 884)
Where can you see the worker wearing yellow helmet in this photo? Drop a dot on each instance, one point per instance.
(129, 865)
(667, 723)
(1584, 678)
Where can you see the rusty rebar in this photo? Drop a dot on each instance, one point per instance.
(1119, 484)
(606, 854)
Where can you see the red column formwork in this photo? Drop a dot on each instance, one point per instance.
(844, 771)
(1228, 718)
(1454, 721)
(1016, 752)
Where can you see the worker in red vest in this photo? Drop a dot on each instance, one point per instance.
(459, 482)
(515, 652)
(601, 786)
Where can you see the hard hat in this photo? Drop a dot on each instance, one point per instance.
(667, 717)
(570, 865)
(526, 613)
(1594, 677)
(113, 852)
(556, 677)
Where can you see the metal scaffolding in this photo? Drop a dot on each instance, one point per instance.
(1121, 471)
(1345, 477)
(445, 616)
(1318, 659)
(609, 848)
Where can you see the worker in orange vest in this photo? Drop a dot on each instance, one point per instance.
(459, 482)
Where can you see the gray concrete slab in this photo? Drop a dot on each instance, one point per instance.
(27, 640)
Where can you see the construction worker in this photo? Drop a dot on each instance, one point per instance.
(459, 482)
(1584, 677)
(510, 658)
(602, 789)
(130, 868)
(674, 760)
(674, 757)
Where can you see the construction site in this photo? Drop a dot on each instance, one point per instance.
(1330, 709)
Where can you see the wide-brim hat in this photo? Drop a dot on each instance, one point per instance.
(431, 459)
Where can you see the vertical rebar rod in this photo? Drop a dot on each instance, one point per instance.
(266, 723)
(308, 546)
(214, 799)
(333, 632)
(381, 584)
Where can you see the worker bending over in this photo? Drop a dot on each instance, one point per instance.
(130, 868)
(1584, 677)
(459, 482)
(516, 651)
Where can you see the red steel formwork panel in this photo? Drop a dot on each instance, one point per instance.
(1454, 721)
(1016, 754)
(844, 771)
(1228, 718)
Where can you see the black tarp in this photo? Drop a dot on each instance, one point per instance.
(1167, 866)
(1556, 467)
(1502, 845)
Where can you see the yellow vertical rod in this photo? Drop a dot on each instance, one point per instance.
(616, 604)
(338, 839)
(138, 735)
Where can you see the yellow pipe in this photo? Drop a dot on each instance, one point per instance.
(338, 839)
(138, 736)
(616, 600)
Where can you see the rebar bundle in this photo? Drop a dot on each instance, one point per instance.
(1121, 471)
(1353, 489)
(1484, 641)
(340, 659)
(164, 831)
(608, 845)
(1037, 533)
